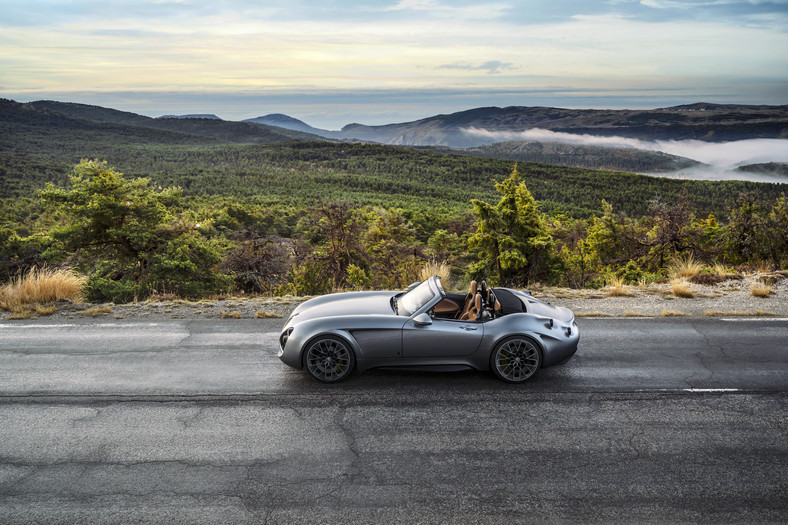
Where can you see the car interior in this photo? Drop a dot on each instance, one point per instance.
(479, 304)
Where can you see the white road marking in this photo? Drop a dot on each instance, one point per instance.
(759, 319)
(72, 325)
(710, 389)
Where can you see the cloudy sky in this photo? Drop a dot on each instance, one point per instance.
(331, 62)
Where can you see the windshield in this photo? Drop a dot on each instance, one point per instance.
(413, 300)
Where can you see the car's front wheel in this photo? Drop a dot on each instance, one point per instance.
(516, 359)
(329, 359)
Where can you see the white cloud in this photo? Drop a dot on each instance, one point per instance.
(675, 4)
(472, 12)
(493, 67)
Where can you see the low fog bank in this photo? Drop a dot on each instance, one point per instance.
(717, 173)
(721, 158)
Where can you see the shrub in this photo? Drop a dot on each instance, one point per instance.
(631, 273)
(259, 265)
(356, 277)
(100, 290)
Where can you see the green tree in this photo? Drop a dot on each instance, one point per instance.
(390, 247)
(124, 231)
(511, 238)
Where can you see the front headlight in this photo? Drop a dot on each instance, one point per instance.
(284, 337)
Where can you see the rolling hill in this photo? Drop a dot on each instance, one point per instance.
(579, 156)
(702, 121)
(287, 122)
(216, 129)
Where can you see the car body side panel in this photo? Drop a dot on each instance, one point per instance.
(442, 338)
(379, 342)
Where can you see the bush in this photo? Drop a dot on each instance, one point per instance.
(259, 265)
(102, 290)
(356, 277)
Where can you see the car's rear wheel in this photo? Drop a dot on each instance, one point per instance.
(329, 359)
(516, 359)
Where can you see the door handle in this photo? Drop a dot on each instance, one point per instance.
(469, 328)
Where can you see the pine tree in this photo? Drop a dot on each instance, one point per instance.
(511, 238)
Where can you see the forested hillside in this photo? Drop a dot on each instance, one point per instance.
(195, 214)
(579, 156)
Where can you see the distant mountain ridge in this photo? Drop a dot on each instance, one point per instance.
(218, 130)
(284, 121)
(700, 121)
(195, 115)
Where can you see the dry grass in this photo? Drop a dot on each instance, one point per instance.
(262, 314)
(231, 315)
(617, 288)
(637, 314)
(40, 286)
(22, 313)
(96, 311)
(45, 310)
(673, 313)
(441, 269)
(738, 313)
(760, 290)
(162, 298)
(681, 288)
(684, 267)
(596, 313)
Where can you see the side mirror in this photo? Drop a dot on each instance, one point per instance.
(422, 320)
(413, 285)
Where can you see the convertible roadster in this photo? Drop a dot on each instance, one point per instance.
(499, 329)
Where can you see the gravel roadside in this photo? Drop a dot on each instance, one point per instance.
(729, 298)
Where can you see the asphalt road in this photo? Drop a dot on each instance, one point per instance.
(654, 420)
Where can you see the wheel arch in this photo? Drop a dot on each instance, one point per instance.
(528, 335)
(344, 335)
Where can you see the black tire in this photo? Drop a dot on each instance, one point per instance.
(329, 359)
(516, 359)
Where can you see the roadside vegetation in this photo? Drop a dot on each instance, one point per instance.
(40, 287)
(133, 239)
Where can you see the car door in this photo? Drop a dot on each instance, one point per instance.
(441, 338)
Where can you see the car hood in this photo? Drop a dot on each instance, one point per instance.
(342, 304)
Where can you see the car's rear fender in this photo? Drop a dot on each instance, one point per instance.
(551, 335)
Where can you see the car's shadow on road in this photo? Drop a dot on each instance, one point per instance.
(425, 382)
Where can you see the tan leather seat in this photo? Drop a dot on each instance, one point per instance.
(469, 299)
(476, 310)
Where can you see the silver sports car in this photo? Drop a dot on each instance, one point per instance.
(499, 329)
